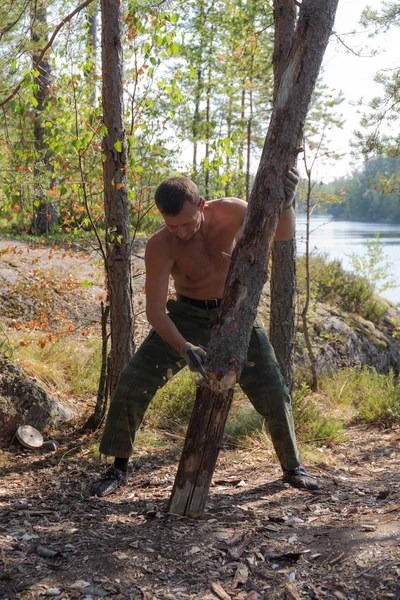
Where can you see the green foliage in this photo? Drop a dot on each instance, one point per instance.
(383, 19)
(194, 74)
(5, 346)
(374, 397)
(374, 266)
(313, 421)
(379, 123)
(68, 367)
(71, 128)
(225, 73)
(332, 284)
(321, 119)
(173, 404)
(244, 423)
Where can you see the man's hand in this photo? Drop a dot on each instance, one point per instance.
(291, 181)
(198, 350)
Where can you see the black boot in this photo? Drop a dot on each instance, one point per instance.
(112, 479)
(299, 478)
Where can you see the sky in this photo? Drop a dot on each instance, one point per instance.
(354, 75)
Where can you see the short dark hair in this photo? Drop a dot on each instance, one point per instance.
(172, 194)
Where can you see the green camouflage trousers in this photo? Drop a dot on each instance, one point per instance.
(147, 371)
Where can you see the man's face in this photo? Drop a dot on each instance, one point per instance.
(187, 223)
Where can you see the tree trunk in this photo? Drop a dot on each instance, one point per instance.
(248, 272)
(196, 467)
(228, 184)
(92, 48)
(282, 312)
(208, 135)
(242, 188)
(208, 116)
(118, 251)
(196, 122)
(96, 418)
(304, 312)
(283, 274)
(249, 126)
(44, 212)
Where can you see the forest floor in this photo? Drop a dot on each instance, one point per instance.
(258, 538)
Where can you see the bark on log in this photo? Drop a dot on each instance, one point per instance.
(189, 494)
(248, 273)
(283, 273)
(282, 313)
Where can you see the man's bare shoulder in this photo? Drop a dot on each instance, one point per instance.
(227, 205)
(159, 243)
(228, 210)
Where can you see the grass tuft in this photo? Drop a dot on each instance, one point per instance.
(173, 404)
(314, 422)
(373, 397)
(71, 367)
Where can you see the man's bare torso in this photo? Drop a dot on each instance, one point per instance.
(199, 266)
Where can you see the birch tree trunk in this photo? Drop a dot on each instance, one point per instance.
(118, 247)
(248, 272)
(283, 273)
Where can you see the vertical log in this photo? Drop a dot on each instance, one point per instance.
(248, 272)
(282, 312)
(197, 463)
(283, 273)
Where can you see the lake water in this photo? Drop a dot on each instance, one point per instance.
(339, 239)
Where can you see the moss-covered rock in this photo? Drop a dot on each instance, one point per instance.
(23, 402)
(342, 339)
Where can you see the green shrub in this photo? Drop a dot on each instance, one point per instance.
(244, 423)
(332, 284)
(374, 397)
(374, 265)
(173, 403)
(312, 421)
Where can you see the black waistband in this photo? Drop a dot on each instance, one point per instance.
(207, 304)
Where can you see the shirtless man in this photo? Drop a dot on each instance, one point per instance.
(191, 247)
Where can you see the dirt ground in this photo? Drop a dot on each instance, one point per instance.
(258, 538)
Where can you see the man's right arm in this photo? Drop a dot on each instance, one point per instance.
(158, 269)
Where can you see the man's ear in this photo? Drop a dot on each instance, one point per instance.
(202, 204)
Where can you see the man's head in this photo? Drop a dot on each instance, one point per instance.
(181, 206)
